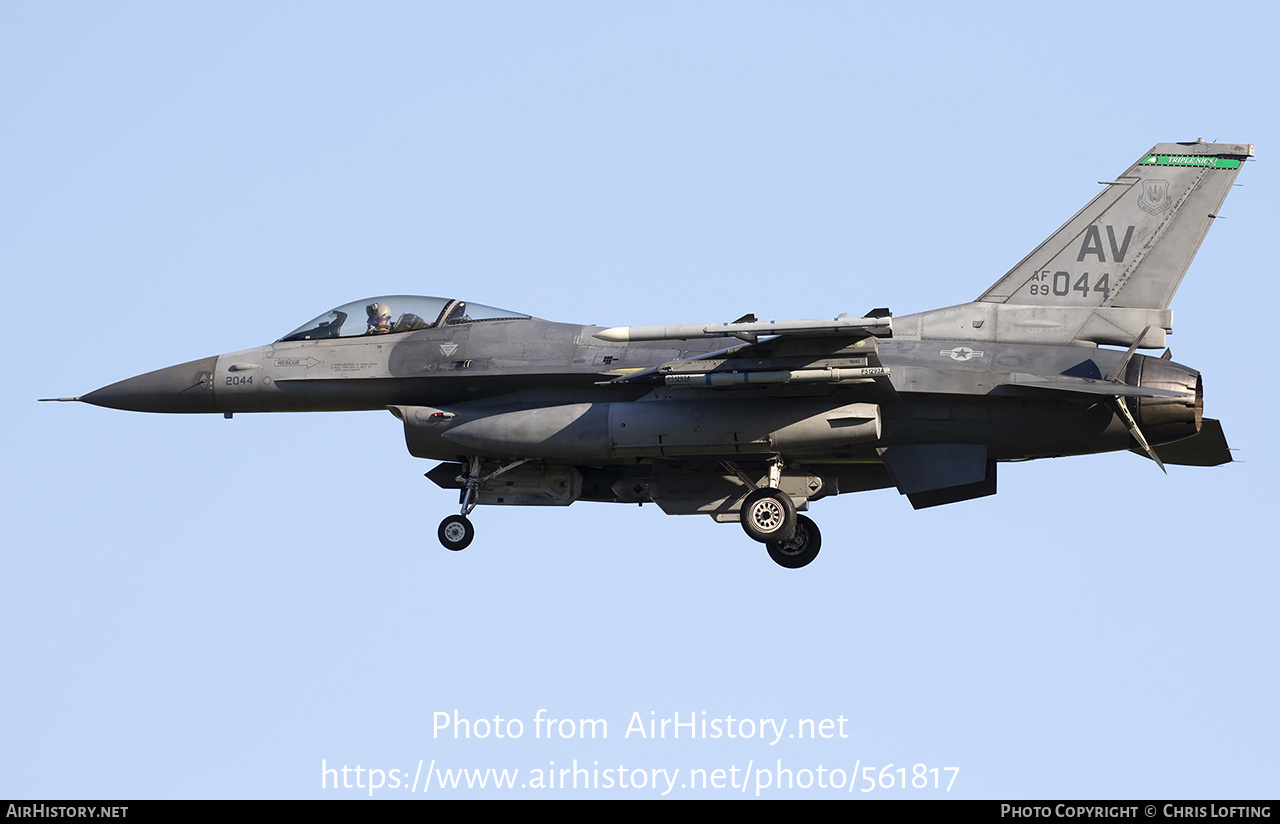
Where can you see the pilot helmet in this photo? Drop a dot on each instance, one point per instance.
(378, 312)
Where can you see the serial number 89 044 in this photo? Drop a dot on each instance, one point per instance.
(1059, 284)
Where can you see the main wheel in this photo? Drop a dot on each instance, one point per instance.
(801, 549)
(456, 532)
(768, 515)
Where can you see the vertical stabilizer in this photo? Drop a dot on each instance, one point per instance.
(1132, 244)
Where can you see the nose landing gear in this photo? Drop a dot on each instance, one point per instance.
(455, 532)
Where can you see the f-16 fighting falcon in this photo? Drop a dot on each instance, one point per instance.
(751, 421)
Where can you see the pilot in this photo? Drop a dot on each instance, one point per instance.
(379, 318)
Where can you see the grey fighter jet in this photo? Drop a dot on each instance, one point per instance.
(751, 421)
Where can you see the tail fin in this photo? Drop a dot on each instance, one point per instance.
(1131, 246)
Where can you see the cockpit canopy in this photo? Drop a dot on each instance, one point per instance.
(395, 313)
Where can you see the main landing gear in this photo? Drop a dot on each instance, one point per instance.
(801, 548)
(769, 516)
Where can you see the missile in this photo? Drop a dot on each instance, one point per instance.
(865, 373)
(842, 325)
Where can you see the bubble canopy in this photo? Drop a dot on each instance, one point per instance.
(391, 314)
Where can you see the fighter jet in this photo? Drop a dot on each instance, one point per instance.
(751, 421)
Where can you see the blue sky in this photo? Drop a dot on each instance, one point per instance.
(191, 610)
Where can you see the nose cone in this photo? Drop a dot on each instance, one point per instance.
(187, 387)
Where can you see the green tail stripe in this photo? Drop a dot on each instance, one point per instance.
(1191, 160)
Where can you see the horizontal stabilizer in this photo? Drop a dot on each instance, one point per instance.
(1207, 448)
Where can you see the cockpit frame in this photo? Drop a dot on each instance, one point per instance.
(393, 314)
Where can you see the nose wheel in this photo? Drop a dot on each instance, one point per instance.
(456, 532)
